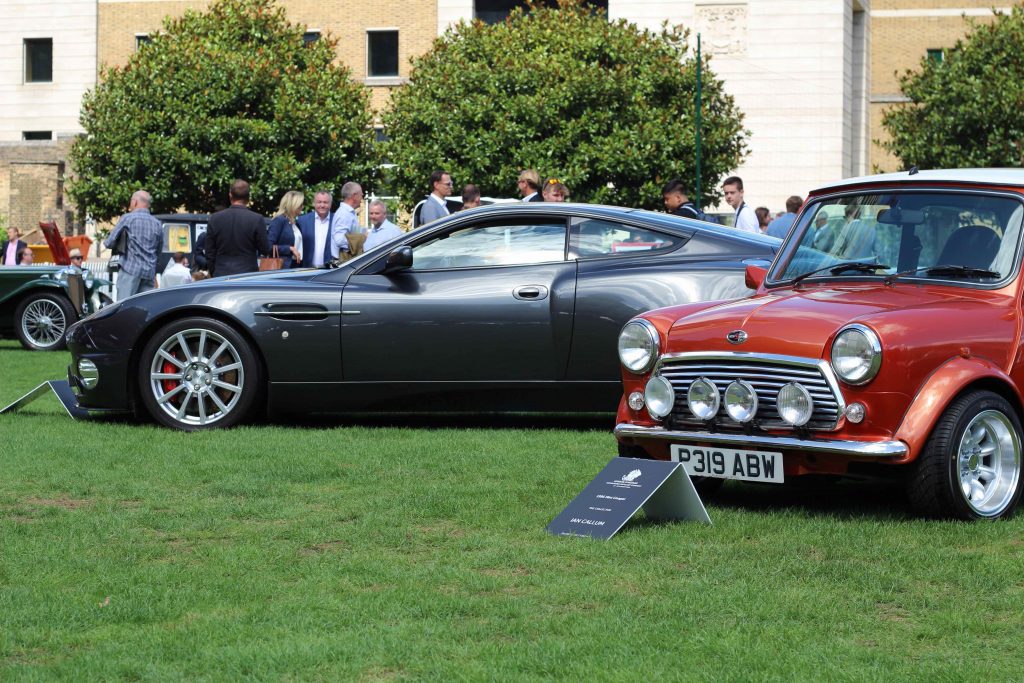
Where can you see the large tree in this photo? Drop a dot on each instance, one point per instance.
(230, 92)
(965, 109)
(603, 106)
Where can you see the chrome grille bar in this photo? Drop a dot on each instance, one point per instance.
(766, 373)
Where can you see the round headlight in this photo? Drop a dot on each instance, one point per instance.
(702, 398)
(89, 373)
(638, 346)
(795, 404)
(741, 401)
(660, 396)
(856, 354)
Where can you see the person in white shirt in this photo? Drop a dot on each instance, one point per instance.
(381, 229)
(176, 272)
(746, 219)
(345, 219)
(317, 246)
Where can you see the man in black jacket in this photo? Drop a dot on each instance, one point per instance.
(236, 237)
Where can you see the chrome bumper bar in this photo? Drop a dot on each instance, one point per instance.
(863, 449)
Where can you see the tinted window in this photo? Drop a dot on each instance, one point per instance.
(382, 49)
(38, 60)
(593, 237)
(493, 245)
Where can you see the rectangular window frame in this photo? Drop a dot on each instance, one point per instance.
(377, 78)
(29, 135)
(311, 36)
(141, 40)
(28, 73)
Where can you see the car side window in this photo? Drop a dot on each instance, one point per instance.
(494, 244)
(593, 237)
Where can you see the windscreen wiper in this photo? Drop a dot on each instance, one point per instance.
(838, 268)
(948, 270)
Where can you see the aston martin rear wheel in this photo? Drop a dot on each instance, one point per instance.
(42, 321)
(970, 467)
(198, 373)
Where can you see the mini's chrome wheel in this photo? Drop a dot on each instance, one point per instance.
(971, 465)
(988, 462)
(199, 374)
(42, 321)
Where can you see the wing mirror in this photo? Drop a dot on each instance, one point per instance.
(754, 276)
(398, 259)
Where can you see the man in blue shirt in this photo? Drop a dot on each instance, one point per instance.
(781, 225)
(145, 239)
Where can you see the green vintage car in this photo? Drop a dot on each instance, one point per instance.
(39, 303)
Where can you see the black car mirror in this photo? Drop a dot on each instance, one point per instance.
(398, 259)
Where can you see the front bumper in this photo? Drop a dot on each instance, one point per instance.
(859, 449)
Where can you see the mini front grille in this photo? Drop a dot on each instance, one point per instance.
(766, 374)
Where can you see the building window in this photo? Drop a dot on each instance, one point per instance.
(382, 54)
(936, 55)
(310, 37)
(39, 60)
(37, 135)
(494, 11)
(142, 39)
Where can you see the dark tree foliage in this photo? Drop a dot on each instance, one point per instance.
(965, 110)
(603, 106)
(229, 92)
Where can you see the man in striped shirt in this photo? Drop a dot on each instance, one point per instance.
(145, 238)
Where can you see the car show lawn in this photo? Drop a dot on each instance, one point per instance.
(415, 549)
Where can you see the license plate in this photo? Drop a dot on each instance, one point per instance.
(729, 463)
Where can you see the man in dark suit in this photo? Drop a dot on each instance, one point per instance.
(529, 186)
(236, 237)
(11, 247)
(317, 245)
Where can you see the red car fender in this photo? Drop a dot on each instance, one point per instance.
(939, 390)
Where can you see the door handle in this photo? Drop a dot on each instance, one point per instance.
(530, 292)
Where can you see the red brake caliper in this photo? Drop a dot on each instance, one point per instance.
(169, 368)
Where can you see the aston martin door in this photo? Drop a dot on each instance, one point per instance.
(488, 302)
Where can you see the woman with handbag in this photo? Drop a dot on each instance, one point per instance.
(282, 230)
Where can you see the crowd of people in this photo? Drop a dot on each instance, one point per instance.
(236, 237)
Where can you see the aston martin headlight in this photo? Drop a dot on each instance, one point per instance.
(741, 401)
(856, 354)
(795, 404)
(638, 346)
(702, 398)
(660, 396)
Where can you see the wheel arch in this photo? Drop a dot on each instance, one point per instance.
(951, 381)
(131, 378)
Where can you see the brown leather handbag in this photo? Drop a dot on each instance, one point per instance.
(274, 262)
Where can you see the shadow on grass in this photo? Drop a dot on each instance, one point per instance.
(603, 422)
(827, 496)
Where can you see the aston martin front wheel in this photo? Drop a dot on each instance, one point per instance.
(198, 373)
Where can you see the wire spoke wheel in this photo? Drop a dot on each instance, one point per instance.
(42, 321)
(197, 377)
(988, 462)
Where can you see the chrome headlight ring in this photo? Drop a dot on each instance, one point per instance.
(639, 346)
(856, 354)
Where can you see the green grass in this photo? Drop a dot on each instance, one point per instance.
(387, 552)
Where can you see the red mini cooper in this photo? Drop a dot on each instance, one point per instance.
(885, 338)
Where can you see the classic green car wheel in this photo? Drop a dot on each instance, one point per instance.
(971, 466)
(42, 321)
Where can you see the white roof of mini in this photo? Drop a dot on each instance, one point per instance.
(986, 176)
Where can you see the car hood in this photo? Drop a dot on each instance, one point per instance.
(802, 322)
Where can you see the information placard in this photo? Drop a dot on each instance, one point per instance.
(65, 395)
(662, 488)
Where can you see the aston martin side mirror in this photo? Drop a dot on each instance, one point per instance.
(398, 259)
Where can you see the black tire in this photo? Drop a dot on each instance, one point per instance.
(214, 381)
(706, 486)
(41, 321)
(970, 467)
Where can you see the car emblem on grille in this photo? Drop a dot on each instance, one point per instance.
(736, 337)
